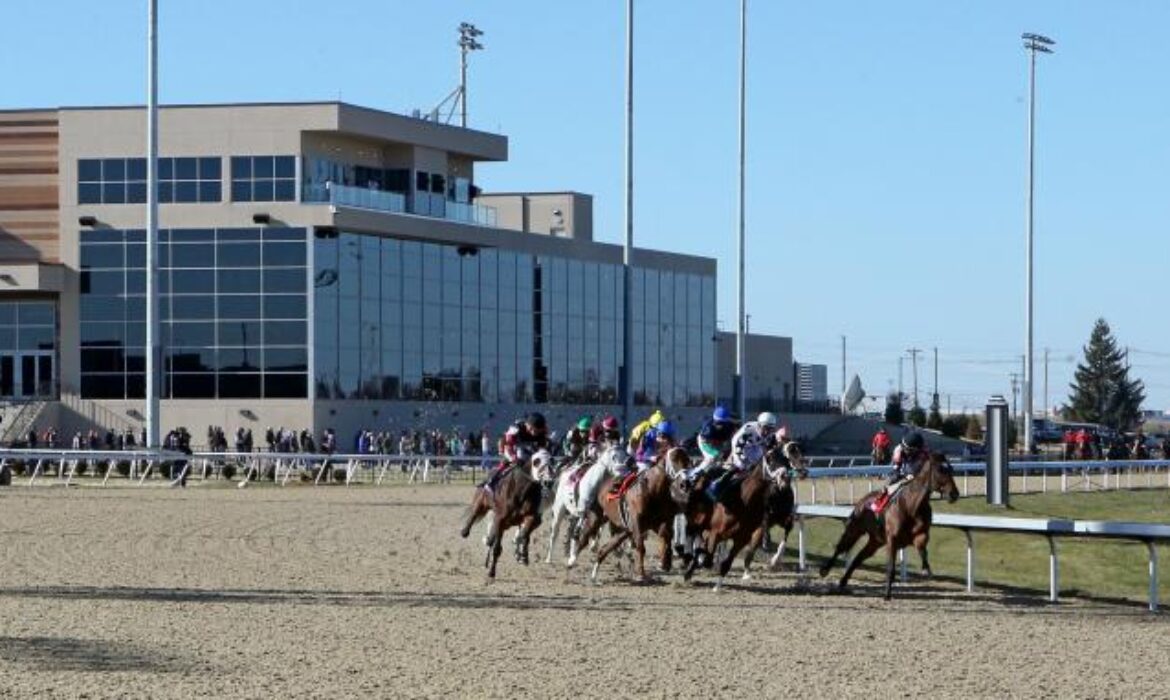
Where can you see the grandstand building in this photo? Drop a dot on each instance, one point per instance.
(321, 265)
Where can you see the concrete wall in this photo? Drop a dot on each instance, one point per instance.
(559, 214)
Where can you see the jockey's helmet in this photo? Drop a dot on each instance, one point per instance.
(665, 429)
(913, 441)
(535, 421)
(609, 423)
(721, 414)
(656, 417)
(782, 433)
(767, 419)
(585, 423)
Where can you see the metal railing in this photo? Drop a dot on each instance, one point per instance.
(354, 197)
(1149, 534)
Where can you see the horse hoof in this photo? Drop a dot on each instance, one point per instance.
(927, 573)
(746, 577)
(824, 571)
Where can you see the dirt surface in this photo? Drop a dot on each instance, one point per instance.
(369, 592)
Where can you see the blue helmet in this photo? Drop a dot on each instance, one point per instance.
(665, 428)
(721, 414)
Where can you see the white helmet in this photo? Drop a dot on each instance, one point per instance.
(767, 419)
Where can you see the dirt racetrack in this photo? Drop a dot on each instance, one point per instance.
(369, 592)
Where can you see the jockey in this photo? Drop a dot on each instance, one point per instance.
(640, 429)
(522, 439)
(714, 441)
(777, 439)
(655, 444)
(909, 456)
(749, 442)
(605, 434)
(577, 439)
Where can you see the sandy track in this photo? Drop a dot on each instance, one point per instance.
(328, 592)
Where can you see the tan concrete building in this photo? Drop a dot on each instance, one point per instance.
(322, 265)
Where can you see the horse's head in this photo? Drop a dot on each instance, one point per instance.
(781, 460)
(541, 464)
(676, 463)
(941, 476)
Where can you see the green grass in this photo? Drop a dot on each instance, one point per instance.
(1099, 569)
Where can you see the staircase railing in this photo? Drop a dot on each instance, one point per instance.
(96, 413)
(19, 423)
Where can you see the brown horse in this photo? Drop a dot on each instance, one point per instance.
(780, 511)
(740, 515)
(648, 505)
(905, 521)
(515, 501)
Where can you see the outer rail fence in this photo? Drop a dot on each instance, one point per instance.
(1146, 533)
(826, 484)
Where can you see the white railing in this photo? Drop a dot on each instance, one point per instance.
(1148, 533)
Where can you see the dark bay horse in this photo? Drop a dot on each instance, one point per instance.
(740, 515)
(515, 501)
(648, 505)
(779, 511)
(905, 521)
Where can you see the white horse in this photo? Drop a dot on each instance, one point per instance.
(577, 505)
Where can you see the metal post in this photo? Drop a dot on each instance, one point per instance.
(153, 354)
(628, 248)
(1153, 549)
(740, 359)
(996, 442)
(970, 561)
(800, 542)
(1053, 571)
(462, 85)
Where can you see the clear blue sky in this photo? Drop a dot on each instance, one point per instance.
(886, 146)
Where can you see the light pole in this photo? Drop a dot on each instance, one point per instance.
(468, 35)
(628, 248)
(1032, 43)
(741, 324)
(153, 354)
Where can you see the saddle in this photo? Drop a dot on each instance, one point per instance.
(625, 485)
(495, 477)
(879, 504)
(722, 485)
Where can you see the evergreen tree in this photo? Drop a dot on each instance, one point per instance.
(974, 429)
(934, 419)
(1102, 391)
(894, 413)
(917, 416)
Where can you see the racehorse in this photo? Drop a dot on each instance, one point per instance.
(572, 500)
(515, 501)
(779, 510)
(740, 513)
(905, 521)
(647, 505)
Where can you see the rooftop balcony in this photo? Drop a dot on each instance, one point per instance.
(424, 204)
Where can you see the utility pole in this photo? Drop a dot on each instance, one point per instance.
(1046, 404)
(900, 358)
(154, 364)
(1015, 377)
(934, 402)
(843, 387)
(914, 364)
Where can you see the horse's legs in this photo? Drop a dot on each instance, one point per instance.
(920, 541)
(589, 529)
(530, 523)
(853, 532)
(750, 552)
(556, 526)
(495, 546)
(613, 543)
(733, 548)
(479, 506)
(891, 555)
(681, 544)
(871, 546)
(639, 539)
(665, 533)
(775, 562)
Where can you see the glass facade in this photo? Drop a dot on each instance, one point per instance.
(264, 178)
(397, 319)
(123, 180)
(233, 313)
(28, 349)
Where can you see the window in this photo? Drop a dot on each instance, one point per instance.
(185, 179)
(263, 178)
